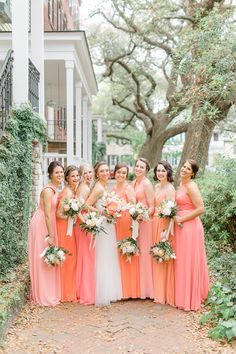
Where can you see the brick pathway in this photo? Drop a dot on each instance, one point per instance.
(134, 326)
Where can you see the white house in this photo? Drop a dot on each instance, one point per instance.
(53, 70)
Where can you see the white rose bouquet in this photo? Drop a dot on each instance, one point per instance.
(54, 255)
(71, 208)
(128, 247)
(167, 209)
(162, 251)
(138, 213)
(92, 224)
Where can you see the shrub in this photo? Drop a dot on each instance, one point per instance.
(219, 193)
(221, 300)
(16, 149)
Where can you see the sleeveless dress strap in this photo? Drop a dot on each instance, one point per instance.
(50, 187)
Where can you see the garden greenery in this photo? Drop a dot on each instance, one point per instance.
(219, 191)
(16, 149)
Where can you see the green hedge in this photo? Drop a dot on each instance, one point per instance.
(16, 148)
(219, 192)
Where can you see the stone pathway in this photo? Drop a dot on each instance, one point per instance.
(134, 326)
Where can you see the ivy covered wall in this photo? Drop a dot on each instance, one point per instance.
(16, 148)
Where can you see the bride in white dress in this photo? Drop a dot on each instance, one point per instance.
(107, 266)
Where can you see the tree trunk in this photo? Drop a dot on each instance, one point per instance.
(197, 143)
(152, 148)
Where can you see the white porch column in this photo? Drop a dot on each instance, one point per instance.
(37, 46)
(99, 130)
(20, 27)
(90, 135)
(85, 128)
(78, 125)
(70, 111)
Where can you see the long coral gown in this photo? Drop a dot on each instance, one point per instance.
(68, 268)
(144, 242)
(129, 271)
(45, 280)
(191, 271)
(85, 275)
(163, 273)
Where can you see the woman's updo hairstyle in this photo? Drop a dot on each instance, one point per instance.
(168, 169)
(68, 170)
(120, 165)
(194, 167)
(96, 167)
(52, 166)
(148, 166)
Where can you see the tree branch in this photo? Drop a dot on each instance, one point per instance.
(176, 129)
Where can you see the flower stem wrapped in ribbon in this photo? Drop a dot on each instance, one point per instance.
(138, 213)
(71, 208)
(128, 247)
(92, 225)
(54, 255)
(162, 251)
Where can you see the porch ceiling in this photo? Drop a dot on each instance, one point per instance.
(72, 45)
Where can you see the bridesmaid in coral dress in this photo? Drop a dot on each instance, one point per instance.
(45, 280)
(145, 194)
(68, 268)
(163, 273)
(191, 272)
(85, 278)
(129, 271)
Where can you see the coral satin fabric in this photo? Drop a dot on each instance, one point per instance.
(45, 280)
(144, 242)
(163, 273)
(68, 268)
(129, 271)
(191, 271)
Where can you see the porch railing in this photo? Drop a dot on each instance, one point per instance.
(33, 93)
(6, 89)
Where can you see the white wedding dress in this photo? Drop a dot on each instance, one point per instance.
(107, 266)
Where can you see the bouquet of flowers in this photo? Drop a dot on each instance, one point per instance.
(71, 208)
(128, 248)
(162, 251)
(167, 209)
(113, 206)
(138, 212)
(92, 224)
(54, 255)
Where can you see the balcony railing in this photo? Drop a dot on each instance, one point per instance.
(6, 89)
(33, 93)
(57, 129)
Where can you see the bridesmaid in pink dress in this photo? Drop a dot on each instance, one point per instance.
(145, 194)
(68, 268)
(45, 280)
(129, 271)
(85, 274)
(191, 272)
(163, 273)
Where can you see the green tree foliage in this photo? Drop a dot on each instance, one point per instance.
(219, 190)
(170, 65)
(16, 148)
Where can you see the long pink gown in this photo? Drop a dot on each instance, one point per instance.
(163, 273)
(85, 272)
(129, 271)
(144, 242)
(191, 271)
(45, 280)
